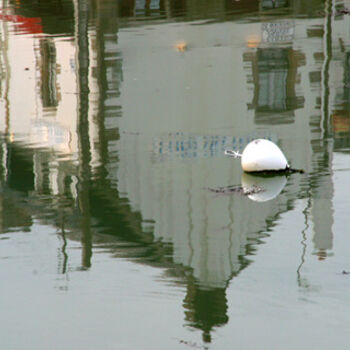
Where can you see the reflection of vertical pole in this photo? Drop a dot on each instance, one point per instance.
(82, 45)
(306, 212)
(4, 50)
(64, 248)
(327, 41)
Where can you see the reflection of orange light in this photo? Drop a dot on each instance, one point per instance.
(181, 46)
(322, 254)
(253, 41)
(341, 121)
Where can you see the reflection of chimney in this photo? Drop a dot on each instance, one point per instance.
(205, 308)
(126, 8)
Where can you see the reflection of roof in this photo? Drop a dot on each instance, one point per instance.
(27, 25)
(56, 17)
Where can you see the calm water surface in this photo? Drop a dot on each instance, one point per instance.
(114, 118)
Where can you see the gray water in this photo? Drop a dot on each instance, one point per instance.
(114, 119)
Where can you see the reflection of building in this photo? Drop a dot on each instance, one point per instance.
(154, 141)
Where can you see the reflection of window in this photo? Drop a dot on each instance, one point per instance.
(273, 4)
(148, 7)
(273, 72)
(48, 73)
(274, 75)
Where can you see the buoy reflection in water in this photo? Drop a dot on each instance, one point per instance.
(271, 186)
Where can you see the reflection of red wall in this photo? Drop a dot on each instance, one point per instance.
(341, 122)
(28, 25)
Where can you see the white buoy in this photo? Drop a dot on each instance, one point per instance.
(263, 155)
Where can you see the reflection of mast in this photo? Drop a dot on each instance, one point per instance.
(302, 281)
(5, 96)
(64, 247)
(82, 47)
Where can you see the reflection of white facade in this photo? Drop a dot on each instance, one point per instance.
(24, 108)
(25, 116)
